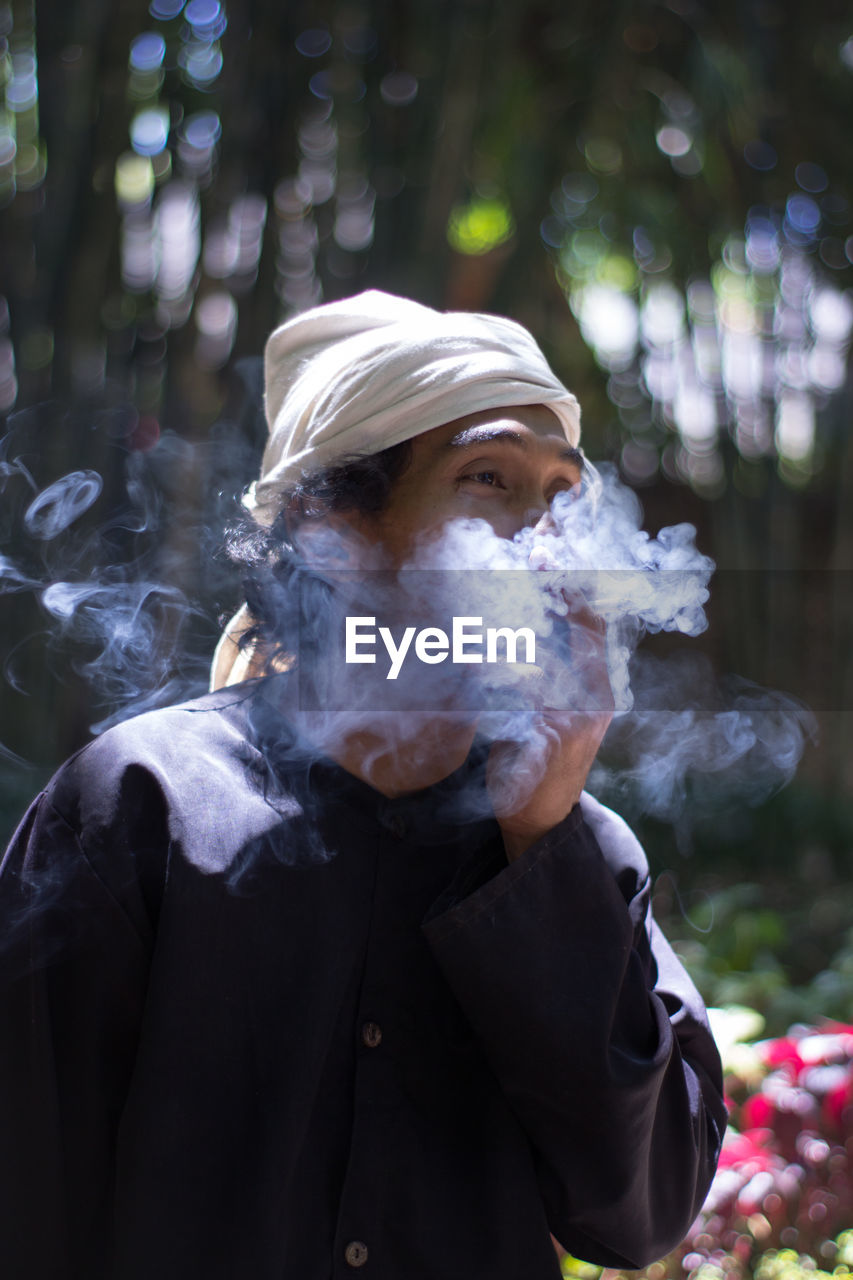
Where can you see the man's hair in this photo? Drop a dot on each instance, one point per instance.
(276, 580)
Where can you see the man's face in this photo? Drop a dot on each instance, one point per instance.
(502, 465)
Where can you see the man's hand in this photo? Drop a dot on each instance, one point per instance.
(534, 784)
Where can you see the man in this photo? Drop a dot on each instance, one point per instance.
(294, 989)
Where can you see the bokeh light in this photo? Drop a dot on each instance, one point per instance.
(603, 155)
(673, 141)
(609, 322)
(147, 52)
(318, 142)
(753, 350)
(206, 18)
(360, 42)
(198, 137)
(760, 155)
(201, 62)
(482, 224)
(802, 216)
(398, 88)
(165, 10)
(233, 249)
(353, 227)
(811, 177)
(576, 191)
(795, 426)
(687, 356)
(831, 315)
(762, 243)
(149, 131)
(297, 285)
(139, 252)
(216, 323)
(134, 180)
(22, 86)
(178, 235)
(23, 156)
(662, 323)
(314, 42)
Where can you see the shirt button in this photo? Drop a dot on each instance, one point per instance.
(371, 1034)
(396, 824)
(356, 1253)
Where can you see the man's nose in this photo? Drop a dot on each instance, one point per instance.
(540, 519)
(533, 513)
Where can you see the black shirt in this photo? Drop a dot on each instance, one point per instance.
(260, 1021)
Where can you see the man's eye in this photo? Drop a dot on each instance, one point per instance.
(485, 477)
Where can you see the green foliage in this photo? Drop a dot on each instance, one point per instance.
(772, 1264)
(787, 1264)
(577, 1269)
(769, 946)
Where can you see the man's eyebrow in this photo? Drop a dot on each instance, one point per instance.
(504, 435)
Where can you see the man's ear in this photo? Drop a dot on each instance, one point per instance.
(292, 514)
(300, 510)
(331, 539)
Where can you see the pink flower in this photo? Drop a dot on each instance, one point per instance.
(757, 1112)
(782, 1053)
(750, 1147)
(837, 1100)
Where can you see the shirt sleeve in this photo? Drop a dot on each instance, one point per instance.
(596, 1034)
(72, 987)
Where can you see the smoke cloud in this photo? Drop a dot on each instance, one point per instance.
(682, 740)
(61, 503)
(113, 569)
(114, 582)
(693, 743)
(679, 733)
(589, 550)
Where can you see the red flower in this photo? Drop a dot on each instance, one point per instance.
(750, 1147)
(837, 1100)
(782, 1053)
(757, 1112)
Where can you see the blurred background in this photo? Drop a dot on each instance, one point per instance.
(659, 191)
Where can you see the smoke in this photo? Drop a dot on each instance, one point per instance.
(61, 503)
(682, 741)
(125, 588)
(13, 578)
(109, 570)
(111, 586)
(694, 743)
(591, 557)
(12, 757)
(134, 630)
(590, 583)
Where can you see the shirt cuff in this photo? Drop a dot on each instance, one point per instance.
(483, 880)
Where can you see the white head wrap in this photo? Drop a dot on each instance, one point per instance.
(356, 376)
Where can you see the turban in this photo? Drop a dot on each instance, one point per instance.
(357, 376)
